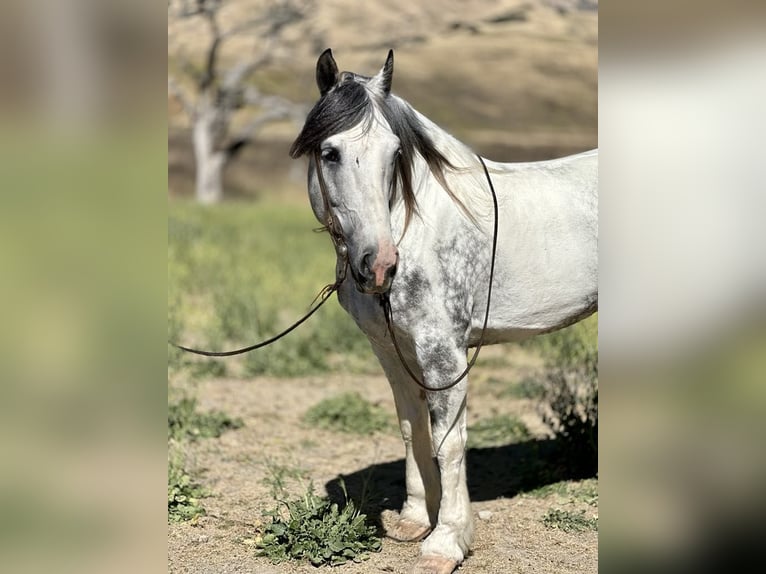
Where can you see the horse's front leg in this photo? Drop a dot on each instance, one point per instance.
(421, 506)
(450, 541)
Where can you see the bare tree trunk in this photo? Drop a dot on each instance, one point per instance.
(219, 95)
(210, 159)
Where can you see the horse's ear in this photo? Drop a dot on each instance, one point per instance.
(327, 72)
(382, 80)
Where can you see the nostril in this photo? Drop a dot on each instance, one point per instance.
(366, 263)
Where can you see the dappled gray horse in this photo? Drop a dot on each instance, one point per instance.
(411, 214)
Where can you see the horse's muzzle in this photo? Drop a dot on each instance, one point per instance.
(376, 271)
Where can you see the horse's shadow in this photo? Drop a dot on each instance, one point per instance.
(493, 472)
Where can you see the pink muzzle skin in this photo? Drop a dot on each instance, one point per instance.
(384, 266)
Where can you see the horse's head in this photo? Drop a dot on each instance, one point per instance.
(353, 154)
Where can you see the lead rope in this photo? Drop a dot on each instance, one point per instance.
(385, 303)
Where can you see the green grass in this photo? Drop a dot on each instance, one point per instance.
(496, 431)
(569, 521)
(240, 272)
(574, 491)
(183, 493)
(184, 421)
(349, 413)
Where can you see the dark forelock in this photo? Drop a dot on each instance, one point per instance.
(347, 104)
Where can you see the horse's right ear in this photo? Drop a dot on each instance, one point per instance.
(327, 72)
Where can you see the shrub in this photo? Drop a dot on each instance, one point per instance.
(569, 390)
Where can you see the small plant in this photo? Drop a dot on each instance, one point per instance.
(349, 413)
(185, 422)
(313, 528)
(183, 493)
(568, 521)
(495, 431)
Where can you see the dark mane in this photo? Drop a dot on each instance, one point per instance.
(349, 103)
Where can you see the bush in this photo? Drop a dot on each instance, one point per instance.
(569, 389)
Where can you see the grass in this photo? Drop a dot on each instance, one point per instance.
(349, 413)
(585, 491)
(574, 494)
(569, 521)
(184, 421)
(183, 493)
(496, 431)
(240, 272)
(527, 388)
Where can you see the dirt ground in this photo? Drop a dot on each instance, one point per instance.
(511, 539)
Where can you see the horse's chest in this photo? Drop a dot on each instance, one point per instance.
(365, 310)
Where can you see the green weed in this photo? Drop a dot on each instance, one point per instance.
(183, 493)
(495, 431)
(569, 521)
(185, 422)
(313, 528)
(349, 413)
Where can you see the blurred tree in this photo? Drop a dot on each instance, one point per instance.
(219, 93)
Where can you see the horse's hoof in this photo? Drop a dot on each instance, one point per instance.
(403, 530)
(434, 565)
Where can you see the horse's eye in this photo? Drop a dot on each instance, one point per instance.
(331, 155)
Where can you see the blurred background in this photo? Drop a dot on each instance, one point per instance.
(517, 80)
(98, 163)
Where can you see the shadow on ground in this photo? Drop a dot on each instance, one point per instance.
(494, 472)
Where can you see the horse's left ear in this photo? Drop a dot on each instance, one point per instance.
(327, 72)
(382, 80)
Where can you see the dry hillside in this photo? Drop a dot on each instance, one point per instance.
(516, 79)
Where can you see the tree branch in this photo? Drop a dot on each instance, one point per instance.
(183, 98)
(274, 109)
(208, 77)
